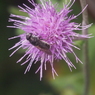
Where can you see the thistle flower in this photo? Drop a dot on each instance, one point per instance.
(48, 34)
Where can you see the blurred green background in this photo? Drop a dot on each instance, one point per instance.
(13, 81)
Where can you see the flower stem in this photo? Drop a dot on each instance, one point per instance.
(85, 48)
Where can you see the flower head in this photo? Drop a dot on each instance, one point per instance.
(48, 34)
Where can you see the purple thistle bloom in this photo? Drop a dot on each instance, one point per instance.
(48, 34)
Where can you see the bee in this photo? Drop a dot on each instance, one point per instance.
(38, 43)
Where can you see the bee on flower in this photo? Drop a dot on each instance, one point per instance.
(48, 34)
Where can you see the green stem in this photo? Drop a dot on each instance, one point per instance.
(85, 48)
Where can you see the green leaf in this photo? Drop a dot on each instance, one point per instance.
(15, 10)
(59, 2)
(71, 84)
